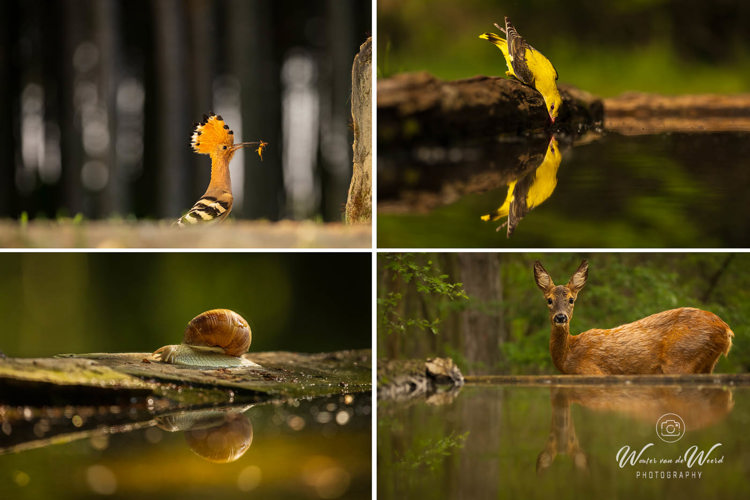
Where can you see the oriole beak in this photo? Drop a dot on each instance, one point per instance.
(552, 118)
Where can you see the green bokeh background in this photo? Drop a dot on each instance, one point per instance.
(55, 303)
(666, 46)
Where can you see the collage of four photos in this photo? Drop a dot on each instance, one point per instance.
(332, 249)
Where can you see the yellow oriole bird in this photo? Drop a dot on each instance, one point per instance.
(214, 138)
(530, 191)
(528, 65)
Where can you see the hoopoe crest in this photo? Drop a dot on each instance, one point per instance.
(213, 137)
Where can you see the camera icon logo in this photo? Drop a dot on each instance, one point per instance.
(670, 428)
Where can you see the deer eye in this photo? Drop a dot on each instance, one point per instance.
(570, 300)
(549, 301)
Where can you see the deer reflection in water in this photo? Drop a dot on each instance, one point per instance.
(699, 408)
(529, 190)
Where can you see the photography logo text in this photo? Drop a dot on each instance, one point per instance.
(682, 463)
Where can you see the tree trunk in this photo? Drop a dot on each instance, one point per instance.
(481, 324)
(359, 202)
(170, 42)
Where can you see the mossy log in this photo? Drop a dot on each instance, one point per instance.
(359, 200)
(109, 378)
(417, 108)
(48, 401)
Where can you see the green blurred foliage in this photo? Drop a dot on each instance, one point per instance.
(416, 295)
(55, 303)
(427, 281)
(607, 48)
(430, 453)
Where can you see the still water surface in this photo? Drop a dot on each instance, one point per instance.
(541, 442)
(318, 448)
(667, 190)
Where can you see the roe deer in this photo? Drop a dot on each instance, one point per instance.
(684, 340)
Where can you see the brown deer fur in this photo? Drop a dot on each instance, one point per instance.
(684, 340)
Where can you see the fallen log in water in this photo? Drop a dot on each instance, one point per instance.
(419, 108)
(105, 377)
(640, 114)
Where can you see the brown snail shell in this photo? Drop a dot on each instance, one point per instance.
(214, 339)
(221, 328)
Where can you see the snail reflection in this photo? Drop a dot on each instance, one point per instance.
(699, 408)
(219, 436)
(529, 190)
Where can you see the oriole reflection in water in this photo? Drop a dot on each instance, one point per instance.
(529, 191)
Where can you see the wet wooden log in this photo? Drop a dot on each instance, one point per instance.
(359, 200)
(639, 114)
(416, 108)
(109, 377)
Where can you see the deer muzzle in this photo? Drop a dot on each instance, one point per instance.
(560, 319)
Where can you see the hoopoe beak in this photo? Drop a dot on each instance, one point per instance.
(259, 147)
(241, 145)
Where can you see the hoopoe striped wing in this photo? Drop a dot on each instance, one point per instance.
(207, 209)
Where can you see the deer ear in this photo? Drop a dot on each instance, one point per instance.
(579, 277)
(541, 276)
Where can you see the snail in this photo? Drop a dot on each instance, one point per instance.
(214, 339)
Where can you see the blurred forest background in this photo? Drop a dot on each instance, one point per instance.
(99, 97)
(485, 311)
(137, 302)
(666, 46)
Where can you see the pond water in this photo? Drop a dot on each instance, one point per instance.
(563, 442)
(317, 448)
(611, 190)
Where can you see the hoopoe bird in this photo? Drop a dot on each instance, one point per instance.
(213, 137)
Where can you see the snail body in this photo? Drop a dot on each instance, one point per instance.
(216, 339)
